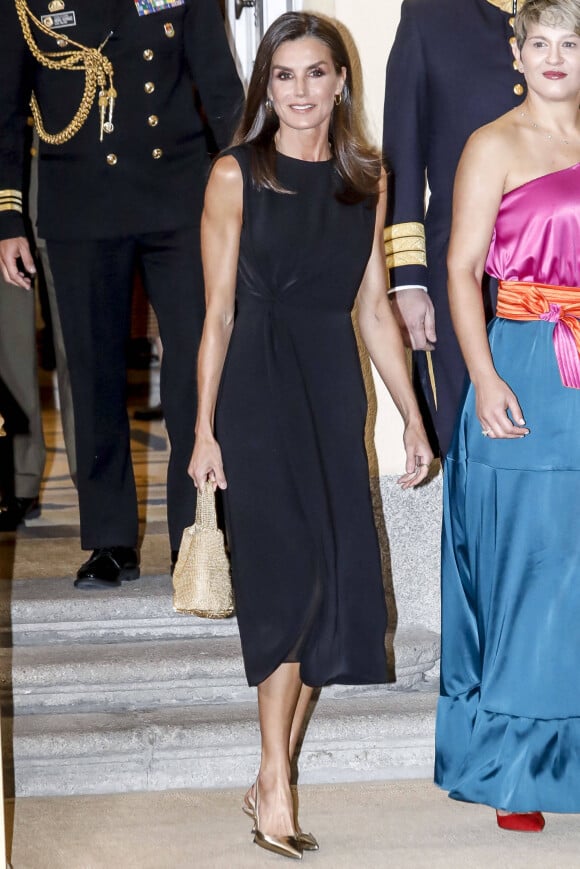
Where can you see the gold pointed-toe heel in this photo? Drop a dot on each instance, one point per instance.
(307, 840)
(286, 846)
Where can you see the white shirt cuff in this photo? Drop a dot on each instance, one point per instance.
(408, 287)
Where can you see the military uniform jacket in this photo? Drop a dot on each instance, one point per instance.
(149, 173)
(449, 72)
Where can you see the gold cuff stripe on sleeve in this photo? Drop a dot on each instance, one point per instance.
(11, 194)
(400, 230)
(405, 245)
(407, 258)
(11, 200)
(400, 245)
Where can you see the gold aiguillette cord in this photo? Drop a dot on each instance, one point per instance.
(98, 71)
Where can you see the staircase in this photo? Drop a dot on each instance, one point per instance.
(112, 691)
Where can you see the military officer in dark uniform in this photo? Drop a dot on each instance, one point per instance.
(450, 71)
(122, 170)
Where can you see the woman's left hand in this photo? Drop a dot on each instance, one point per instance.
(419, 455)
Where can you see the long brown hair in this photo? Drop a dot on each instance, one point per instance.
(357, 163)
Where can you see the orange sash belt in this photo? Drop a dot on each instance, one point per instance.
(519, 300)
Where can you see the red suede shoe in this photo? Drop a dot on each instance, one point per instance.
(521, 822)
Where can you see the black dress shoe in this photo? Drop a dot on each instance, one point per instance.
(15, 511)
(108, 568)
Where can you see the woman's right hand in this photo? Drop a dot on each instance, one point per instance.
(493, 400)
(206, 463)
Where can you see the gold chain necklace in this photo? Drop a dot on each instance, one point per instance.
(549, 136)
(98, 71)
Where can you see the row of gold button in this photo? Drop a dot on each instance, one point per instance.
(149, 87)
(156, 153)
(153, 120)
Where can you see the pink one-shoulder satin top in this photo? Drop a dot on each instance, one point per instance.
(537, 231)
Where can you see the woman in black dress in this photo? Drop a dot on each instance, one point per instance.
(292, 237)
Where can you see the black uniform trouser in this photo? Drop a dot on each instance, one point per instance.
(93, 281)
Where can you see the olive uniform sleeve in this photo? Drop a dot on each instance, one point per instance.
(16, 76)
(213, 69)
(405, 141)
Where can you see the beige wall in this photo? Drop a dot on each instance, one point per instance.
(372, 24)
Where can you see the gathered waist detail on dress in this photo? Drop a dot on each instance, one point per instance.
(248, 298)
(523, 300)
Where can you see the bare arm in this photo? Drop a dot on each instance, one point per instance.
(480, 179)
(382, 338)
(221, 225)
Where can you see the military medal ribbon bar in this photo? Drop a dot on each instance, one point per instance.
(148, 7)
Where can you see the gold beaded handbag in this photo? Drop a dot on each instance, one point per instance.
(201, 580)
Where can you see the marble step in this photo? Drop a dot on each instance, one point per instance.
(376, 737)
(52, 611)
(169, 673)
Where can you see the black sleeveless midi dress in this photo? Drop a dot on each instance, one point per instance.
(290, 421)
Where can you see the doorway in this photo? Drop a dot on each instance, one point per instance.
(248, 20)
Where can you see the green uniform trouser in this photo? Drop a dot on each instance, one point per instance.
(19, 371)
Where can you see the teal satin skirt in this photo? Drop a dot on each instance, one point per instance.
(508, 719)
